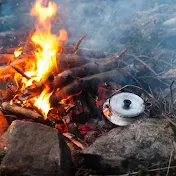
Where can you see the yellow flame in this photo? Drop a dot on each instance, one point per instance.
(18, 51)
(46, 54)
(44, 13)
(47, 46)
(42, 102)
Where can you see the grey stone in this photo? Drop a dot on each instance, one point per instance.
(148, 142)
(35, 150)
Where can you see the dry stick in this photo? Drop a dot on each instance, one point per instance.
(20, 72)
(9, 70)
(150, 95)
(6, 58)
(134, 78)
(170, 160)
(7, 51)
(145, 65)
(86, 53)
(173, 123)
(154, 170)
(77, 143)
(171, 93)
(22, 111)
(79, 42)
(141, 56)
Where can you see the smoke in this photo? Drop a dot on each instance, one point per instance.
(104, 21)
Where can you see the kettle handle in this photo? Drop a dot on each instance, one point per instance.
(119, 90)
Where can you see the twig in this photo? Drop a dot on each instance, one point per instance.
(134, 87)
(154, 170)
(170, 160)
(171, 93)
(142, 56)
(145, 65)
(173, 123)
(6, 115)
(78, 43)
(20, 72)
(71, 137)
(133, 78)
(122, 52)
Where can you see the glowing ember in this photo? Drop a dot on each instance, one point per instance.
(47, 46)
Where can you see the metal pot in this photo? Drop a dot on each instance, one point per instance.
(124, 108)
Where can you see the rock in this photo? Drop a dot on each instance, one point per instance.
(34, 149)
(3, 123)
(148, 142)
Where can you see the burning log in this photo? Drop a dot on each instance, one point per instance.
(6, 58)
(79, 85)
(6, 106)
(85, 52)
(35, 89)
(68, 76)
(20, 62)
(7, 51)
(91, 68)
(66, 61)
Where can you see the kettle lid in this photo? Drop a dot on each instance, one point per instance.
(127, 104)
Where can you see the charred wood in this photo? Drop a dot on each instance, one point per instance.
(6, 58)
(79, 85)
(21, 62)
(68, 76)
(86, 70)
(7, 51)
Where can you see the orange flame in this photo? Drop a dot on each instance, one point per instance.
(44, 13)
(42, 102)
(47, 46)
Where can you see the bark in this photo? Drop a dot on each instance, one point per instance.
(21, 62)
(88, 69)
(7, 51)
(22, 111)
(79, 85)
(6, 58)
(67, 61)
(85, 52)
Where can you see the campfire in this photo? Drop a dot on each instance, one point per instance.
(45, 75)
(83, 93)
(50, 81)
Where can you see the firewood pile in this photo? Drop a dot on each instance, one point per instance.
(70, 96)
(83, 80)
